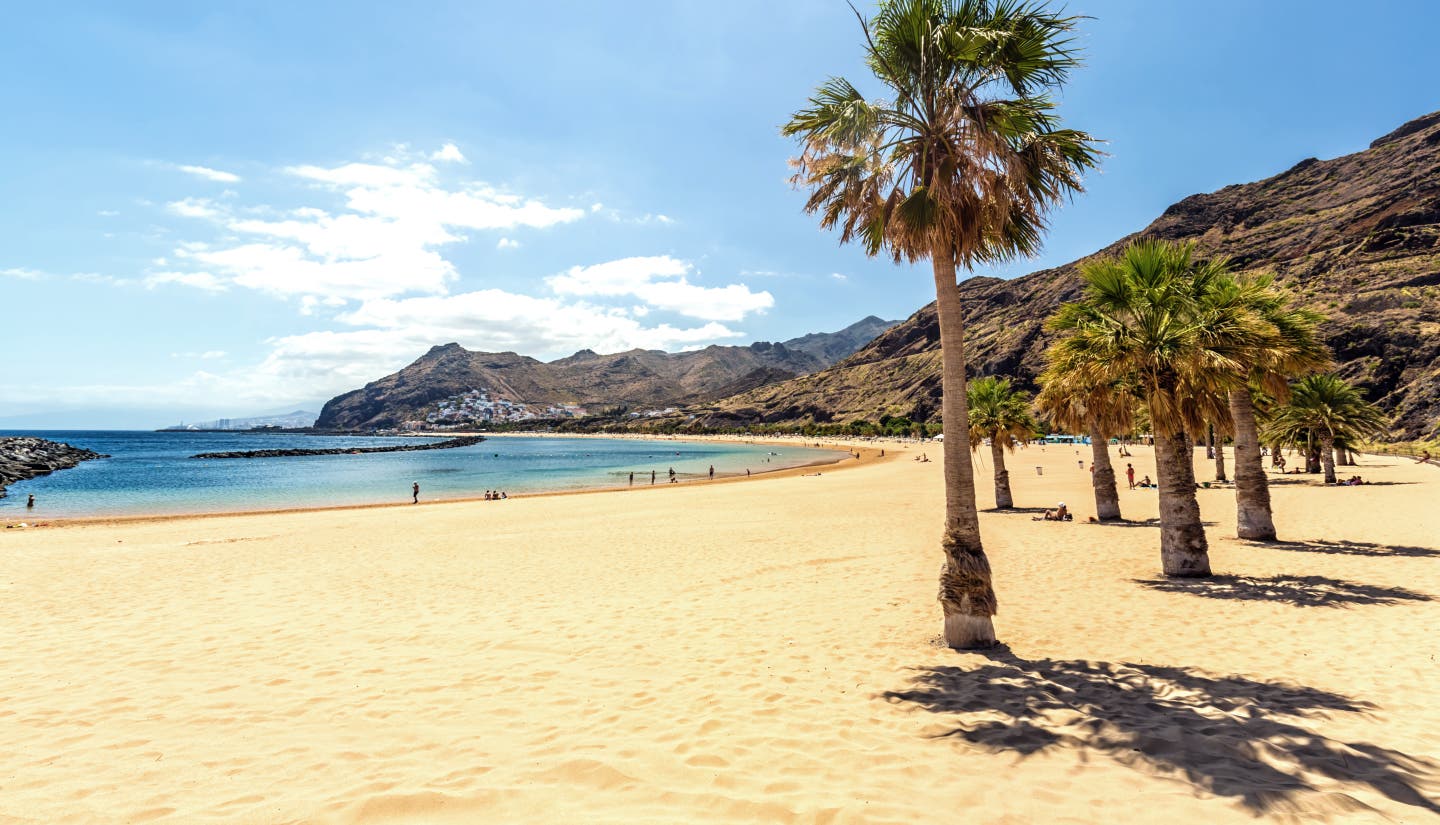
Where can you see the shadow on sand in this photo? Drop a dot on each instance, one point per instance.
(1226, 735)
(1017, 510)
(1353, 548)
(1300, 591)
(1149, 522)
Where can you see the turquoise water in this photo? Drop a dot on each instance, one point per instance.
(152, 473)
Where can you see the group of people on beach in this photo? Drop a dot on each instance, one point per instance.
(495, 495)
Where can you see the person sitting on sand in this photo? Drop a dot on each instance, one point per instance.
(504, 496)
(487, 495)
(1146, 482)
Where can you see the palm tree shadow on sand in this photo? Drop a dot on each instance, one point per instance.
(1353, 548)
(1300, 591)
(1225, 735)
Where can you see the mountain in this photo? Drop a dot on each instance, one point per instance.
(1356, 238)
(450, 384)
(831, 347)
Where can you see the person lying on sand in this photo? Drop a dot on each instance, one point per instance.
(1060, 513)
(1353, 481)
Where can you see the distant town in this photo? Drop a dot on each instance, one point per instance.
(477, 407)
(287, 421)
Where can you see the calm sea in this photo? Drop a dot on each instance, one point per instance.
(152, 473)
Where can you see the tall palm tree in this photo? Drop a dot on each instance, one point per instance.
(960, 164)
(1294, 349)
(1101, 410)
(1002, 414)
(1147, 317)
(1324, 410)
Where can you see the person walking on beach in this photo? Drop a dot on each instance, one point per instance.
(652, 476)
(632, 479)
(1130, 475)
(415, 493)
(30, 503)
(712, 472)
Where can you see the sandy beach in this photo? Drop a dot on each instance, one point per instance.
(759, 651)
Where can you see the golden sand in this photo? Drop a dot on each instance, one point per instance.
(764, 651)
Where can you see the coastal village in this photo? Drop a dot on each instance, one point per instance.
(477, 407)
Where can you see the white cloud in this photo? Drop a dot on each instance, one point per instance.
(24, 274)
(107, 213)
(493, 319)
(448, 153)
(661, 283)
(193, 208)
(839, 276)
(97, 278)
(508, 243)
(385, 241)
(210, 174)
(198, 280)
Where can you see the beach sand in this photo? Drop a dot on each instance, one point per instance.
(764, 651)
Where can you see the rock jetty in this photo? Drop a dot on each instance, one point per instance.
(464, 441)
(23, 457)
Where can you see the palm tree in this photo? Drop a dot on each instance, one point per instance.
(1102, 410)
(960, 165)
(1294, 349)
(1148, 317)
(1002, 414)
(1216, 442)
(1325, 410)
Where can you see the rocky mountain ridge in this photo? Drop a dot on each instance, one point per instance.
(643, 380)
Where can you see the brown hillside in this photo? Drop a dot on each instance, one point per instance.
(1356, 237)
(635, 379)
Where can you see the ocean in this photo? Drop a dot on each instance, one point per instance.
(151, 473)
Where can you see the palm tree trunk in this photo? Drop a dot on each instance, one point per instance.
(1183, 550)
(1220, 459)
(1003, 499)
(1327, 455)
(967, 597)
(1107, 499)
(1210, 441)
(1253, 520)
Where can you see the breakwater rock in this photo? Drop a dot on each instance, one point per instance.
(23, 457)
(464, 441)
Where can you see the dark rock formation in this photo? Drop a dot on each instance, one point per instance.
(1356, 238)
(23, 457)
(451, 443)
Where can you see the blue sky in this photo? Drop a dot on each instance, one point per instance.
(222, 209)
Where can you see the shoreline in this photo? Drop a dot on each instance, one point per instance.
(837, 463)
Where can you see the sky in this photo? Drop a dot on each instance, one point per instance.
(225, 209)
